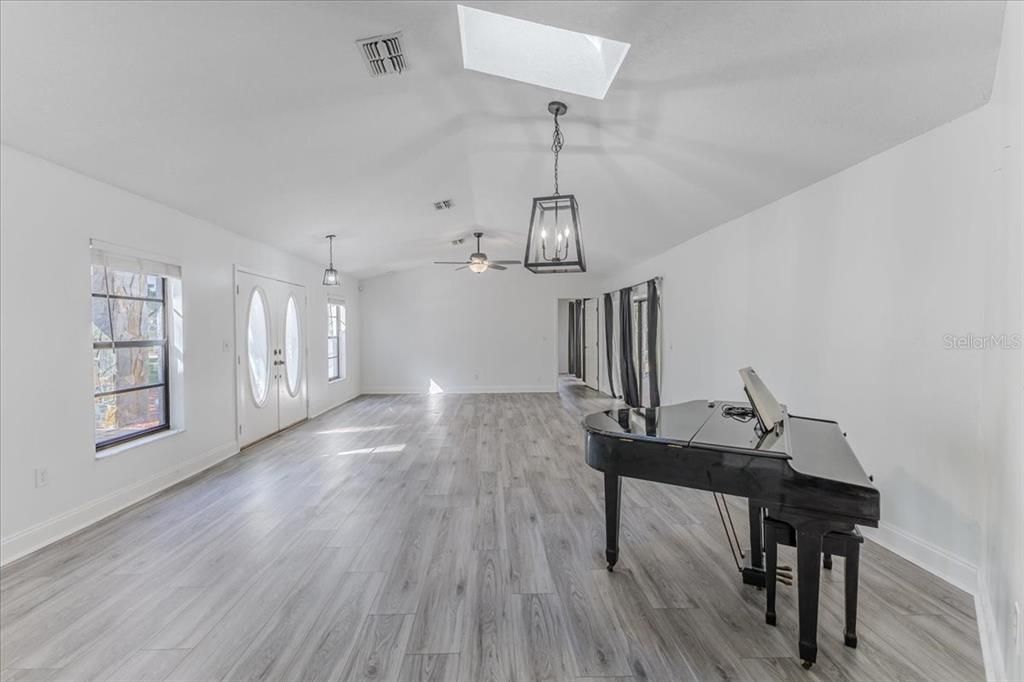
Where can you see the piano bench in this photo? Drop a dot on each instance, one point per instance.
(840, 543)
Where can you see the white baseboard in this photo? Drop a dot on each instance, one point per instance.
(38, 536)
(991, 646)
(937, 561)
(409, 390)
(327, 407)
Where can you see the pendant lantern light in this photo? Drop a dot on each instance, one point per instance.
(554, 243)
(331, 278)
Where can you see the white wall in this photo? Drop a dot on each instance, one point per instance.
(841, 296)
(563, 336)
(47, 216)
(466, 332)
(1001, 405)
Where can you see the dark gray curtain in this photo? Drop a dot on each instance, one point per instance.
(609, 342)
(627, 364)
(572, 337)
(653, 304)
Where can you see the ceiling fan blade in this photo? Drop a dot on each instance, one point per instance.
(462, 268)
(451, 262)
(505, 262)
(491, 265)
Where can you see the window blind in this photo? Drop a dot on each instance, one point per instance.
(120, 258)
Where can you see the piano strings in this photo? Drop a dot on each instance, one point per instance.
(729, 536)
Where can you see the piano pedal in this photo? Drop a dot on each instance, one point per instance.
(785, 572)
(784, 575)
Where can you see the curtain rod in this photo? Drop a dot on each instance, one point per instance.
(658, 279)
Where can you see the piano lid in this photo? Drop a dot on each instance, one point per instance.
(691, 423)
(674, 424)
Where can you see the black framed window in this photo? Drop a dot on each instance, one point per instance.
(131, 396)
(335, 341)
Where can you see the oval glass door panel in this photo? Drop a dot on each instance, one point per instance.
(258, 345)
(292, 355)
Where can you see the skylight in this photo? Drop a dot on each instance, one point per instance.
(541, 55)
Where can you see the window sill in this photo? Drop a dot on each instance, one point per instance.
(131, 445)
(335, 381)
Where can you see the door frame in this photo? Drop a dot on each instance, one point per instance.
(239, 388)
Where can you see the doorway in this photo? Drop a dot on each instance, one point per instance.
(270, 329)
(579, 340)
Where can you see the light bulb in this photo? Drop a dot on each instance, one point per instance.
(478, 266)
(559, 237)
(567, 233)
(543, 234)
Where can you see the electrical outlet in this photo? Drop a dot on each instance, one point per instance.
(42, 477)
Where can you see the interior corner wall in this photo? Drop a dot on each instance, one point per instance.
(47, 216)
(1001, 405)
(852, 298)
(466, 333)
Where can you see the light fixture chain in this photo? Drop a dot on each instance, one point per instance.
(557, 141)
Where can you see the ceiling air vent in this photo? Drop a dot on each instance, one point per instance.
(442, 205)
(383, 55)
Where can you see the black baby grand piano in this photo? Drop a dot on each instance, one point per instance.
(797, 470)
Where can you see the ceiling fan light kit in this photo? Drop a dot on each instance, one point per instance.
(477, 265)
(554, 242)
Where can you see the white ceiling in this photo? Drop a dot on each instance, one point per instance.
(260, 117)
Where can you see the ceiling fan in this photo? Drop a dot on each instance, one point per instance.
(478, 261)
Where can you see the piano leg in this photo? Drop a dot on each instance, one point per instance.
(851, 570)
(755, 514)
(612, 502)
(808, 556)
(772, 551)
(754, 573)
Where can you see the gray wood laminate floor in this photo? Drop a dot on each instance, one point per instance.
(445, 537)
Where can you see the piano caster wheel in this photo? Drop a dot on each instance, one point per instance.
(769, 618)
(807, 664)
(611, 567)
(850, 640)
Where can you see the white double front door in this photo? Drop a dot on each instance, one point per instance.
(270, 338)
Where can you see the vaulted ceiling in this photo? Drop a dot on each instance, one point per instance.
(260, 117)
